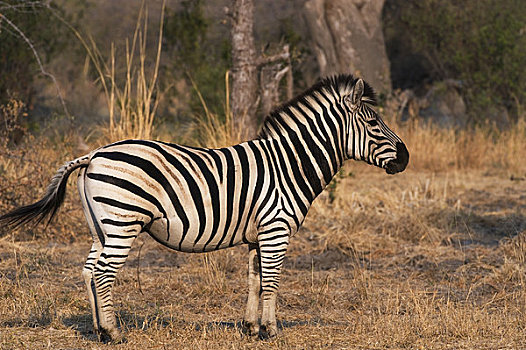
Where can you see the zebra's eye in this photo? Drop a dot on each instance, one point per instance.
(372, 122)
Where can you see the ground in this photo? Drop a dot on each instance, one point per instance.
(418, 260)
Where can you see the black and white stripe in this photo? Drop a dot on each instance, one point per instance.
(198, 199)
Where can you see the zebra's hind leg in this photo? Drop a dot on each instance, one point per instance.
(87, 273)
(250, 322)
(112, 258)
(96, 249)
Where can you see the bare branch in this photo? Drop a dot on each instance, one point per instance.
(23, 5)
(39, 61)
(290, 81)
(282, 56)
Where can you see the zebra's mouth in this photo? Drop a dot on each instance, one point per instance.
(398, 164)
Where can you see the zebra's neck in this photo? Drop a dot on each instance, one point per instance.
(310, 131)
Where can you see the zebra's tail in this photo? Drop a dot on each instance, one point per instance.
(49, 204)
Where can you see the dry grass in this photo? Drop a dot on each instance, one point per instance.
(212, 130)
(484, 147)
(433, 258)
(25, 172)
(132, 98)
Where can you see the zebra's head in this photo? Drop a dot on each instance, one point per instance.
(368, 137)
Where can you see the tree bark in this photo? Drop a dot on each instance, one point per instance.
(270, 78)
(347, 37)
(273, 69)
(244, 70)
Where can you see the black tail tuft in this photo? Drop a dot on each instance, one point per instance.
(48, 206)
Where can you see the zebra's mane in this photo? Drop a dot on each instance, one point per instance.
(339, 84)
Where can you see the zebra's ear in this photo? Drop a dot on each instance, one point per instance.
(357, 92)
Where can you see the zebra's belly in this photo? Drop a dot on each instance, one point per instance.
(194, 240)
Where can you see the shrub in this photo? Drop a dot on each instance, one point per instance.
(480, 42)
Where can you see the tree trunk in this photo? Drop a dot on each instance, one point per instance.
(347, 37)
(244, 70)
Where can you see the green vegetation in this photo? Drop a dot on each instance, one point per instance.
(194, 56)
(482, 43)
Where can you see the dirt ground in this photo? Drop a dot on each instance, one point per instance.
(412, 261)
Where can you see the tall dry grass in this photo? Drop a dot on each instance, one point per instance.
(433, 148)
(211, 129)
(25, 172)
(133, 98)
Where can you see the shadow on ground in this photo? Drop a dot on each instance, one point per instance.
(128, 322)
(486, 228)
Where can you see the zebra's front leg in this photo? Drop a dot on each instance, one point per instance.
(273, 245)
(250, 322)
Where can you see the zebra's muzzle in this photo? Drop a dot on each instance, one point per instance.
(402, 158)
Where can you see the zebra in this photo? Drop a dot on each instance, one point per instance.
(199, 199)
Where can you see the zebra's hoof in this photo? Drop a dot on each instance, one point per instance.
(112, 336)
(250, 328)
(268, 331)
